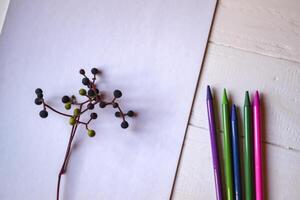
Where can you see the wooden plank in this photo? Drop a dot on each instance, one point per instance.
(269, 27)
(195, 176)
(277, 79)
(3, 9)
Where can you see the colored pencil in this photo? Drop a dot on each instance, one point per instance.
(213, 142)
(248, 163)
(235, 154)
(257, 147)
(227, 147)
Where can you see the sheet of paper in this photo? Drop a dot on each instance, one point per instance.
(151, 50)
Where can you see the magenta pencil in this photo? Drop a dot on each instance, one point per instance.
(257, 148)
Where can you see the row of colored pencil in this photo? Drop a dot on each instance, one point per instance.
(252, 149)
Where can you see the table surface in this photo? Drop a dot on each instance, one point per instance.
(253, 45)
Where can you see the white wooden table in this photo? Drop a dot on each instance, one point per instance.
(254, 45)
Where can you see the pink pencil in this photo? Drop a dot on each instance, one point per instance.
(257, 148)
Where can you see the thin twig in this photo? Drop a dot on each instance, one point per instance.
(67, 115)
(61, 172)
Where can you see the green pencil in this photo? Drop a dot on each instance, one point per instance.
(248, 148)
(227, 147)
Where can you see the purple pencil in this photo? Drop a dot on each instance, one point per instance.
(214, 146)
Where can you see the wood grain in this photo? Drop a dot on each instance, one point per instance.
(195, 177)
(278, 81)
(269, 27)
(253, 45)
(3, 9)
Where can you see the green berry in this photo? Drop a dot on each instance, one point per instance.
(72, 121)
(76, 112)
(68, 106)
(91, 133)
(82, 92)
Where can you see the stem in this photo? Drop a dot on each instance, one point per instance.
(67, 155)
(57, 111)
(62, 168)
(85, 123)
(82, 103)
(81, 112)
(121, 112)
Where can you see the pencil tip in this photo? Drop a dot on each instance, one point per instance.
(225, 99)
(233, 112)
(208, 93)
(247, 99)
(256, 98)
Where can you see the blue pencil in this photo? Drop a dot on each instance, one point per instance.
(236, 155)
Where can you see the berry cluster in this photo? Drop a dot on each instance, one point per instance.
(40, 100)
(93, 98)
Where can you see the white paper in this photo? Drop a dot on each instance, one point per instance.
(151, 50)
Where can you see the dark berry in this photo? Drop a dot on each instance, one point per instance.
(81, 71)
(38, 91)
(117, 93)
(124, 124)
(65, 99)
(90, 106)
(117, 114)
(43, 114)
(102, 104)
(38, 101)
(93, 115)
(40, 95)
(130, 113)
(115, 105)
(97, 91)
(91, 92)
(85, 81)
(94, 71)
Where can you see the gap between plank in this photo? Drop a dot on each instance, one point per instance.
(265, 142)
(254, 52)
